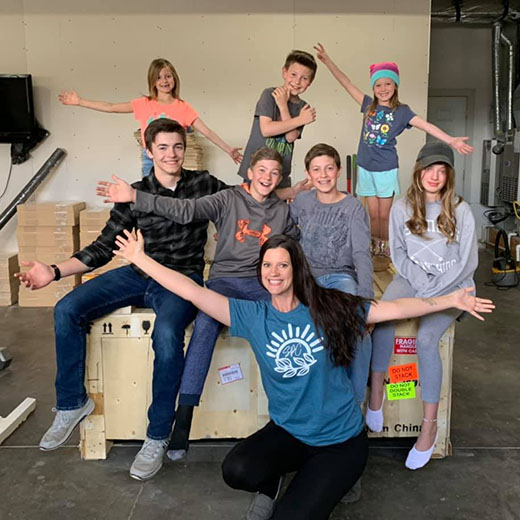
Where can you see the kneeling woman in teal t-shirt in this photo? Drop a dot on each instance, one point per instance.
(303, 339)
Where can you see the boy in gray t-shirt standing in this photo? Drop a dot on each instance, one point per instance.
(335, 237)
(281, 114)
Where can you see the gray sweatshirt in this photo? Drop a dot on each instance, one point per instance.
(243, 224)
(431, 265)
(335, 238)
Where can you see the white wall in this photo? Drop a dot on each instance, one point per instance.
(224, 56)
(460, 58)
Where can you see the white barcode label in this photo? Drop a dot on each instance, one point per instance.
(230, 373)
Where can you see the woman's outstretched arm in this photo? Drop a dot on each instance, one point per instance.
(413, 307)
(210, 302)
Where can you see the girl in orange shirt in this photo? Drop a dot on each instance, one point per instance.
(163, 101)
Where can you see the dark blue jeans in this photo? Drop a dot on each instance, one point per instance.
(205, 335)
(102, 295)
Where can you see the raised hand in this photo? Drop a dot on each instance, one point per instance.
(39, 275)
(235, 154)
(281, 96)
(308, 115)
(465, 301)
(321, 53)
(69, 97)
(459, 144)
(118, 191)
(130, 247)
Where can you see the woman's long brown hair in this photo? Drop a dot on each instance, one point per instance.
(339, 316)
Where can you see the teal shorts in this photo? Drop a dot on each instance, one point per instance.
(377, 184)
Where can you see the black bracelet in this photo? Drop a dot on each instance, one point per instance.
(57, 272)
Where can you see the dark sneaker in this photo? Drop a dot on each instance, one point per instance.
(63, 426)
(149, 460)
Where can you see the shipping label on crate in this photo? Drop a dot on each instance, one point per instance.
(405, 345)
(401, 373)
(230, 373)
(395, 391)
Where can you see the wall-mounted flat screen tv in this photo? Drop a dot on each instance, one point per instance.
(17, 120)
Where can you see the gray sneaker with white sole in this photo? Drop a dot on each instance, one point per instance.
(63, 426)
(149, 460)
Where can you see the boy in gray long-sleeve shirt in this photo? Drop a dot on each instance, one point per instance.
(245, 217)
(335, 237)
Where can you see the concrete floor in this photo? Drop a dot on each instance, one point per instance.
(481, 479)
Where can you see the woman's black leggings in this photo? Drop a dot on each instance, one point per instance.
(323, 473)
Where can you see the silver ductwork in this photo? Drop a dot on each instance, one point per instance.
(473, 12)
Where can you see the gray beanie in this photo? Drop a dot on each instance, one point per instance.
(435, 152)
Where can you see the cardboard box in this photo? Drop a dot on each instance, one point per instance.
(93, 219)
(47, 296)
(57, 237)
(64, 213)
(47, 255)
(9, 285)
(87, 237)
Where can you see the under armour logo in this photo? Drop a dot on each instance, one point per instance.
(243, 231)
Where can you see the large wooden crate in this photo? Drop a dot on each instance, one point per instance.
(403, 417)
(119, 373)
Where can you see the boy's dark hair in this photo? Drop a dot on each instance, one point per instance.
(303, 58)
(266, 153)
(168, 126)
(322, 149)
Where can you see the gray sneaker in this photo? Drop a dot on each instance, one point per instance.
(262, 506)
(149, 460)
(63, 426)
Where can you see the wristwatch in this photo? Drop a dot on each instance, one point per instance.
(57, 272)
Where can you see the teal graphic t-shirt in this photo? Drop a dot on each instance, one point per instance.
(308, 396)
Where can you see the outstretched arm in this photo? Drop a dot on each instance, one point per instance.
(457, 143)
(342, 78)
(208, 301)
(71, 97)
(413, 307)
(234, 153)
(40, 275)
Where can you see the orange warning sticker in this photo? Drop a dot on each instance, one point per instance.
(401, 373)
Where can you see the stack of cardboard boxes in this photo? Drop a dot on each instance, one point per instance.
(91, 222)
(8, 283)
(48, 232)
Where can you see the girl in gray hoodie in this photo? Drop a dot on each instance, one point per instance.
(434, 249)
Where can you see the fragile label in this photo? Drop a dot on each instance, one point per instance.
(395, 391)
(400, 373)
(405, 346)
(230, 373)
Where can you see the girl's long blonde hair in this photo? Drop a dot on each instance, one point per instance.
(446, 221)
(153, 75)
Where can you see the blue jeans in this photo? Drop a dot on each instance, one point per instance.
(102, 295)
(360, 366)
(205, 335)
(146, 163)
